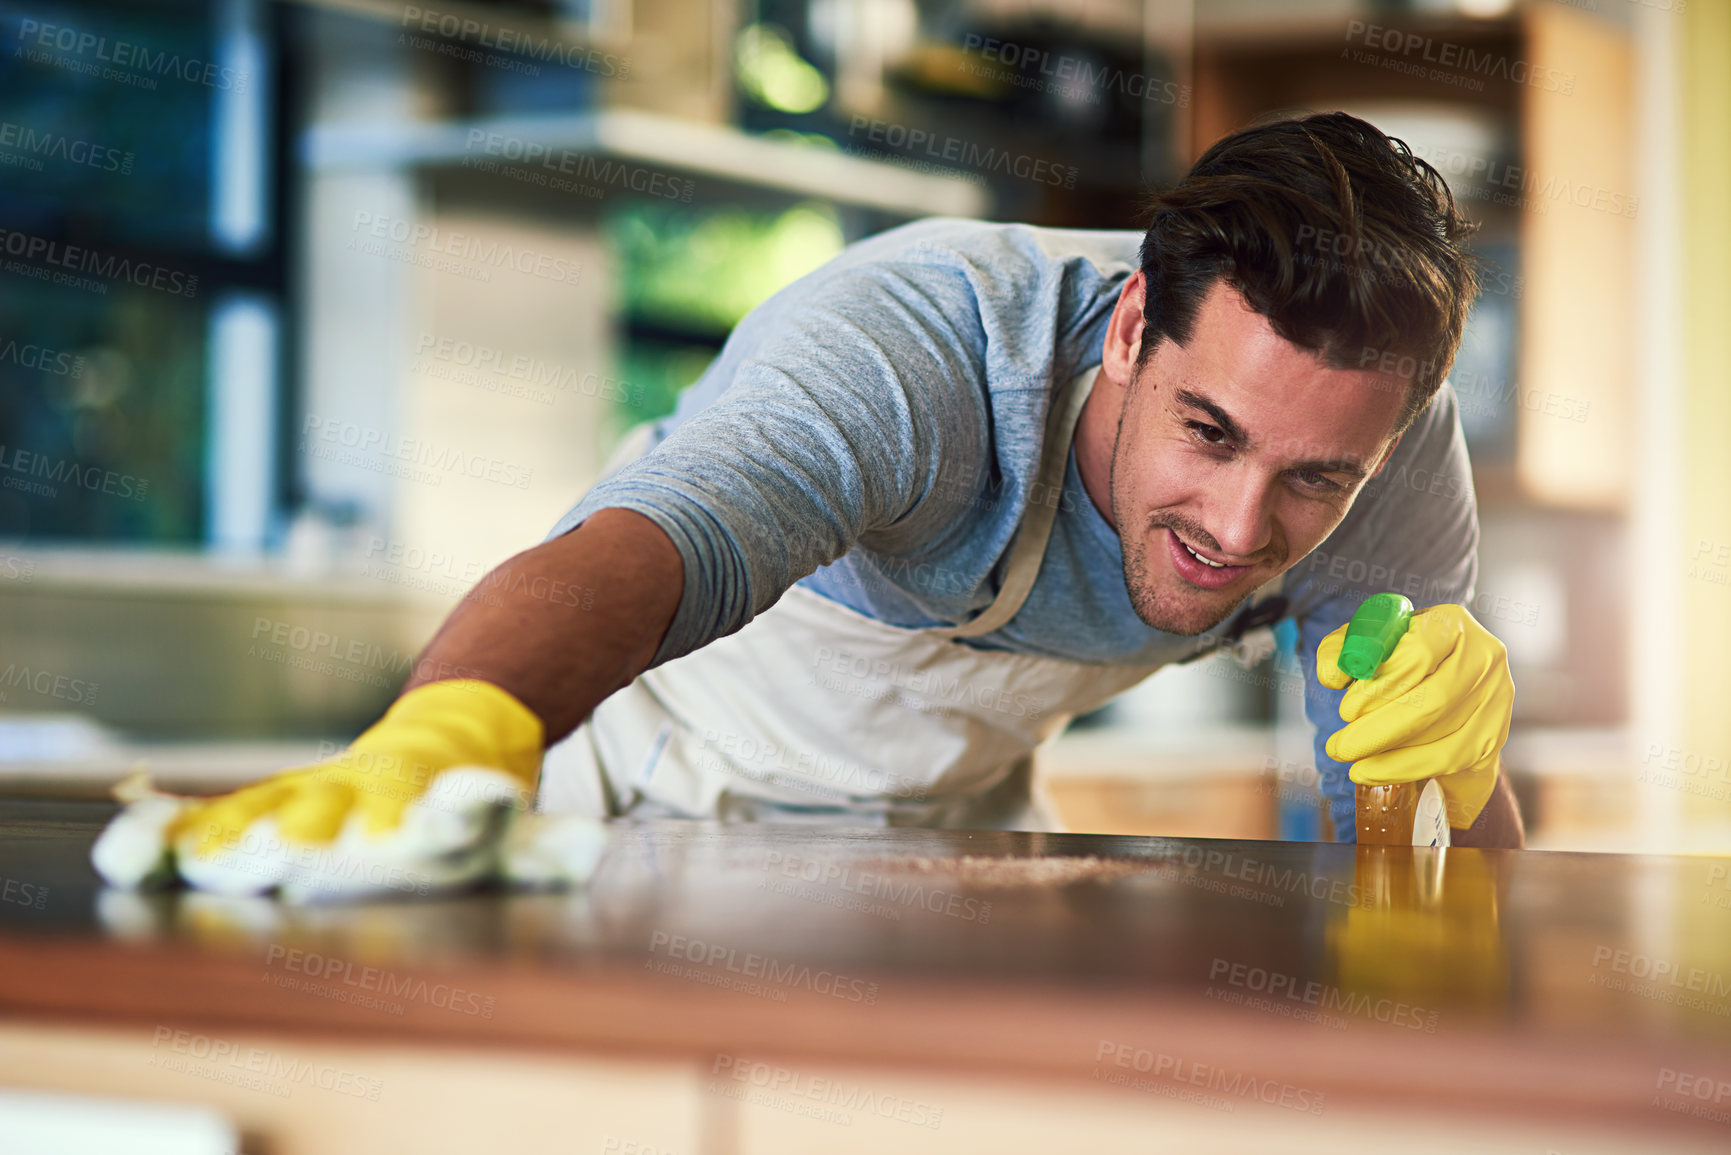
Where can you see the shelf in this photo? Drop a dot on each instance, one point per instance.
(149, 574)
(664, 142)
(1300, 25)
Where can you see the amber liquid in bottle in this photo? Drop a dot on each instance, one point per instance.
(1386, 813)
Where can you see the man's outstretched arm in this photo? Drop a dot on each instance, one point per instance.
(563, 625)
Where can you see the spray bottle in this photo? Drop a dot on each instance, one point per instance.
(1385, 813)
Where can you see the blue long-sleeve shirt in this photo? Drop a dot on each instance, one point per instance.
(872, 432)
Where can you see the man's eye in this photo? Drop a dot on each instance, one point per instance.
(1313, 480)
(1212, 434)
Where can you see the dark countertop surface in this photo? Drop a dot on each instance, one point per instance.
(1525, 982)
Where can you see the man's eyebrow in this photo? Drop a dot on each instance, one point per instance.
(1235, 434)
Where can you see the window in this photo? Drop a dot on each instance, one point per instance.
(141, 272)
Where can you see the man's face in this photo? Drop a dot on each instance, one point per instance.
(1236, 455)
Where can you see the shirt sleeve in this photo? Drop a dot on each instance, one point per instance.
(1414, 531)
(830, 414)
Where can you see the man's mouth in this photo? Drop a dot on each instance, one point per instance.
(1200, 558)
(1199, 570)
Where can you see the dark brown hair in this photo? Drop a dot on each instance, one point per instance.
(1347, 243)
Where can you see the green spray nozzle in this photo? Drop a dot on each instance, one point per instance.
(1376, 627)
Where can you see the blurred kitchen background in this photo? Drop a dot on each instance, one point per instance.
(310, 313)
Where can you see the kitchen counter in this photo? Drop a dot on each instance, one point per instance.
(741, 988)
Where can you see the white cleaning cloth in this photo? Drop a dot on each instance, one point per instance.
(469, 826)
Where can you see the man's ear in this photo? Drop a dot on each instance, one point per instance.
(1124, 333)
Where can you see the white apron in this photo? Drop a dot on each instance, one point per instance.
(813, 712)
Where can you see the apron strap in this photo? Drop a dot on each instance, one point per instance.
(1029, 547)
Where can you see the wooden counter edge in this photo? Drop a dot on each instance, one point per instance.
(997, 1030)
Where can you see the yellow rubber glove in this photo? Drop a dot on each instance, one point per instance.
(1439, 707)
(430, 729)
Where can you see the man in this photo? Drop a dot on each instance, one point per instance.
(969, 480)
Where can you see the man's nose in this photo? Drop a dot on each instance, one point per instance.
(1241, 514)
